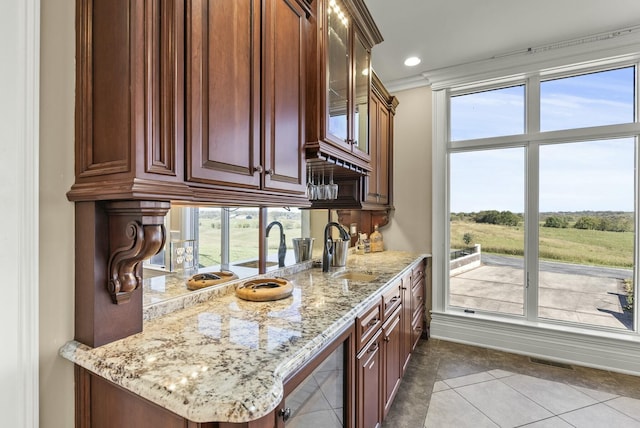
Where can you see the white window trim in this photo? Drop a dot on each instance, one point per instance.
(592, 347)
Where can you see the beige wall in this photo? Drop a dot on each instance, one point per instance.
(57, 71)
(410, 225)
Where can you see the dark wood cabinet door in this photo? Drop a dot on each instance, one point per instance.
(369, 384)
(283, 95)
(383, 164)
(129, 100)
(392, 368)
(223, 92)
(377, 183)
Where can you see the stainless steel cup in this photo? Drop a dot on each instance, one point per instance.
(340, 251)
(302, 249)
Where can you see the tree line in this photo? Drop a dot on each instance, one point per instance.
(588, 220)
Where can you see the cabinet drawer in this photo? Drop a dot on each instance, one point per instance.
(367, 324)
(417, 298)
(417, 328)
(391, 299)
(417, 273)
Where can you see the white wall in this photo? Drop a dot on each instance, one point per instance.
(410, 225)
(19, 28)
(56, 212)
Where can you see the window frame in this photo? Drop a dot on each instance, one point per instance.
(531, 140)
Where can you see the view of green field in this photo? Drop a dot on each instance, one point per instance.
(568, 244)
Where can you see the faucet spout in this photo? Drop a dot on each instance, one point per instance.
(327, 253)
(282, 247)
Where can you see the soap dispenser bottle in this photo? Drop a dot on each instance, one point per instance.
(377, 244)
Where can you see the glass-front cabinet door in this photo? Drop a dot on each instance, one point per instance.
(338, 64)
(348, 83)
(361, 79)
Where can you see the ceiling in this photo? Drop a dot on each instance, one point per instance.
(445, 33)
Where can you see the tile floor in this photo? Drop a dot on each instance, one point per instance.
(458, 386)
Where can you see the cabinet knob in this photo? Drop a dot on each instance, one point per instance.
(386, 338)
(258, 169)
(285, 413)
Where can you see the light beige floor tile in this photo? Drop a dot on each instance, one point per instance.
(599, 396)
(497, 373)
(553, 396)
(502, 404)
(468, 380)
(599, 416)
(440, 386)
(554, 422)
(628, 406)
(449, 409)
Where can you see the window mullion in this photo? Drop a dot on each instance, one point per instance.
(532, 230)
(532, 125)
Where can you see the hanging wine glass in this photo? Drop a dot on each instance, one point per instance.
(333, 188)
(310, 186)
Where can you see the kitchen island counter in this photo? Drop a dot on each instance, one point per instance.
(226, 359)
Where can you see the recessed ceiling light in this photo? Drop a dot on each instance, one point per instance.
(412, 61)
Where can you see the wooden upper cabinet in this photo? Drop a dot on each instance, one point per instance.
(223, 92)
(378, 184)
(337, 123)
(245, 86)
(284, 70)
(192, 100)
(129, 100)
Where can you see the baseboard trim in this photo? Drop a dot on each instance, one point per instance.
(608, 351)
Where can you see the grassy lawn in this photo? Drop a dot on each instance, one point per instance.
(588, 247)
(244, 243)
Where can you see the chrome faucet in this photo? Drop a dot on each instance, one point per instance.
(282, 248)
(327, 253)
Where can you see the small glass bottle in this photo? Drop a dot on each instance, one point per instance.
(377, 244)
(360, 244)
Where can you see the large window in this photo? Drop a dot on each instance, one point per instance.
(542, 197)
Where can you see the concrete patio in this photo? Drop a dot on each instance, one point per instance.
(585, 299)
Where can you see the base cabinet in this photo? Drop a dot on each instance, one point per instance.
(392, 368)
(369, 373)
(382, 362)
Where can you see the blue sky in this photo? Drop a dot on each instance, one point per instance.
(594, 175)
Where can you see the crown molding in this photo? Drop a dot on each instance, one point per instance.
(616, 46)
(406, 83)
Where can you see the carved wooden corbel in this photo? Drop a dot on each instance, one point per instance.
(136, 232)
(144, 242)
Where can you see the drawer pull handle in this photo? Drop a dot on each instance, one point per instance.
(374, 348)
(373, 322)
(404, 288)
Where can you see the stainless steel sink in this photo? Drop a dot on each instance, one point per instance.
(355, 276)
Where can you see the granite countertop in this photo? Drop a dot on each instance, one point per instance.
(225, 359)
